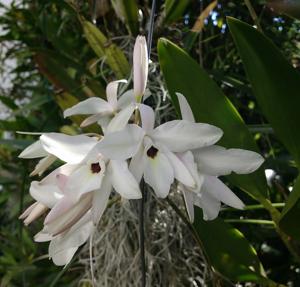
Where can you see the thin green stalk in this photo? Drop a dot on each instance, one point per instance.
(253, 15)
(254, 207)
(251, 221)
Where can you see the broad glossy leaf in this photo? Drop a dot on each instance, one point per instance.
(228, 250)
(289, 221)
(209, 105)
(102, 46)
(128, 12)
(174, 9)
(274, 81)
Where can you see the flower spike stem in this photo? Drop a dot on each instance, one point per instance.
(142, 201)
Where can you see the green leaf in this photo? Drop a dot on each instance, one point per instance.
(228, 251)
(288, 221)
(274, 81)
(103, 47)
(57, 74)
(128, 12)
(210, 105)
(174, 10)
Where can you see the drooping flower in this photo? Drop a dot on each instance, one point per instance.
(153, 150)
(80, 186)
(211, 162)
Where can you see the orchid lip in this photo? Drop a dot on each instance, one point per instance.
(95, 167)
(152, 152)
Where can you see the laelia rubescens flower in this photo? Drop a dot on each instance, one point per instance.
(112, 114)
(211, 162)
(82, 185)
(153, 150)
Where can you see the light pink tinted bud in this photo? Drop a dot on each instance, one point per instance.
(140, 67)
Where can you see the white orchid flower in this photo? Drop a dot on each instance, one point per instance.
(80, 186)
(112, 114)
(36, 150)
(140, 67)
(213, 161)
(154, 149)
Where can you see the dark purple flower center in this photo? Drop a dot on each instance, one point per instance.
(152, 152)
(95, 167)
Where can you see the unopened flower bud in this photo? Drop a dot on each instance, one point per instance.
(140, 67)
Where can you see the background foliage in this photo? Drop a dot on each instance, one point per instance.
(52, 56)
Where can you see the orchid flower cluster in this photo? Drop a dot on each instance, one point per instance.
(131, 149)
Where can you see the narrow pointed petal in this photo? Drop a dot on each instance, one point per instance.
(216, 160)
(188, 160)
(122, 144)
(100, 199)
(112, 93)
(34, 150)
(181, 172)
(71, 149)
(87, 107)
(126, 99)
(43, 164)
(140, 66)
(63, 247)
(35, 213)
(159, 174)
(93, 119)
(181, 135)
(28, 210)
(209, 204)
(221, 192)
(185, 109)
(123, 181)
(61, 219)
(120, 120)
(147, 117)
(42, 236)
(138, 163)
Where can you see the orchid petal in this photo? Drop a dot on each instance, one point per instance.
(126, 99)
(123, 181)
(159, 174)
(93, 119)
(137, 164)
(209, 204)
(100, 199)
(185, 109)
(217, 160)
(147, 117)
(89, 106)
(71, 149)
(35, 213)
(121, 144)
(43, 164)
(221, 192)
(181, 135)
(63, 247)
(181, 172)
(34, 150)
(120, 120)
(46, 194)
(188, 160)
(64, 215)
(112, 92)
